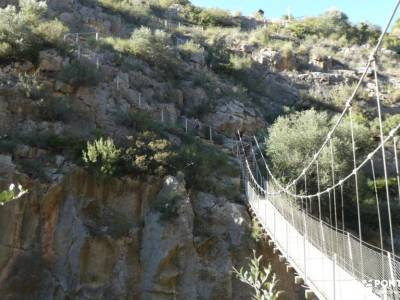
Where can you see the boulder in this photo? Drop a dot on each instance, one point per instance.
(322, 63)
(50, 61)
(275, 60)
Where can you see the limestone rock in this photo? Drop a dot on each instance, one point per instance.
(322, 63)
(234, 116)
(50, 61)
(275, 60)
(106, 239)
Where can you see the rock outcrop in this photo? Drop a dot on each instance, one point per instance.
(111, 239)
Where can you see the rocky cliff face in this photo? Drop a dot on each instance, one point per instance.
(87, 238)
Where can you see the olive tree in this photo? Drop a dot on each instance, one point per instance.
(294, 139)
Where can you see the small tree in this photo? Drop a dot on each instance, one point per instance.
(261, 279)
(294, 139)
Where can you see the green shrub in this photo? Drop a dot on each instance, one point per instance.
(153, 47)
(337, 96)
(54, 110)
(138, 120)
(189, 49)
(260, 36)
(23, 32)
(199, 162)
(208, 16)
(215, 17)
(80, 74)
(51, 32)
(5, 49)
(240, 63)
(381, 186)
(256, 232)
(138, 12)
(31, 86)
(392, 42)
(150, 154)
(391, 122)
(102, 155)
(12, 193)
(260, 279)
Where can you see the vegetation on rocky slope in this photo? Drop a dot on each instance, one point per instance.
(98, 102)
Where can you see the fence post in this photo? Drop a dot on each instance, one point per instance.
(334, 276)
(350, 252)
(97, 36)
(97, 62)
(140, 100)
(186, 126)
(323, 237)
(395, 295)
(304, 247)
(287, 239)
(162, 115)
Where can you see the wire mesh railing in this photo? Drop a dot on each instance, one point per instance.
(364, 265)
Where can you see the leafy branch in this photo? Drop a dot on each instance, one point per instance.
(261, 279)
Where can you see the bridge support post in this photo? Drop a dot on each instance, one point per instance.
(392, 277)
(310, 295)
(305, 246)
(334, 276)
(350, 253)
(298, 280)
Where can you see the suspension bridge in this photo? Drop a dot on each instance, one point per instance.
(331, 260)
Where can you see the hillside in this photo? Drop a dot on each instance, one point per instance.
(120, 119)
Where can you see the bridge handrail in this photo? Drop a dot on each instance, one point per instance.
(378, 265)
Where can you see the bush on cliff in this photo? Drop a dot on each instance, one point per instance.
(24, 32)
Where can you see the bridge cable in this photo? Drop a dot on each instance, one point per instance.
(397, 164)
(319, 191)
(379, 214)
(378, 103)
(333, 183)
(330, 208)
(353, 146)
(338, 183)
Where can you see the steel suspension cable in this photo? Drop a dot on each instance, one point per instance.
(319, 191)
(353, 144)
(330, 207)
(333, 181)
(397, 164)
(378, 103)
(379, 214)
(334, 190)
